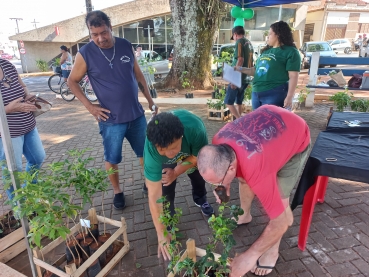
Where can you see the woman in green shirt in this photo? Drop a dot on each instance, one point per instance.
(277, 69)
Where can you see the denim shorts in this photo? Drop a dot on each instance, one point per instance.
(65, 73)
(113, 135)
(235, 95)
(274, 96)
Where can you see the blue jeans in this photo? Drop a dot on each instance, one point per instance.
(65, 73)
(235, 95)
(113, 135)
(274, 96)
(30, 146)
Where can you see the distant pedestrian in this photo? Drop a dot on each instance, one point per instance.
(66, 62)
(242, 57)
(115, 76)
(276, 71)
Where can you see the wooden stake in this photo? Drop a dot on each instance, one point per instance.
(191, 249)
(92, 216)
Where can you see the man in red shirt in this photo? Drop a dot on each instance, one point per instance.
(266, 150)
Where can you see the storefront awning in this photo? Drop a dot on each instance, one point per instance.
(262, 3)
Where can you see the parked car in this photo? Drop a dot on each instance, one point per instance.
(155, 60)
(6, 56)
(340, 45)
(323, 47)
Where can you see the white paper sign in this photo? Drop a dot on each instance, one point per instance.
(232, 76)
(85, 223)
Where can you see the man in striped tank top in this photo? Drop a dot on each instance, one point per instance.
(22, 125)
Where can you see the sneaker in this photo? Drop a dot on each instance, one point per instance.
(119, 202)
(144, 189)
(206, 209)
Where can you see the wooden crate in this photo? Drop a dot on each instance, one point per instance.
(12, 245)
(191, 252)
(224, 112)
(71, 270)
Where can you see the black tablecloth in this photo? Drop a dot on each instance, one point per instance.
(337, 121)
(351, 151)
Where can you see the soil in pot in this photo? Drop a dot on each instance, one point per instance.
(85, 244)
(94, 269)
(211, 273)
(219, 114)
(94, 231)
(213, 95)
(72, 247)
(102, 239)
(93, 248)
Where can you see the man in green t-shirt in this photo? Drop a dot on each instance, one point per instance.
(173, 140)
(242, 56)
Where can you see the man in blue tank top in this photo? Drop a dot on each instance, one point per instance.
(115, 77)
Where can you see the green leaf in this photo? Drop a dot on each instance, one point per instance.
(37, 239)
(138, 265)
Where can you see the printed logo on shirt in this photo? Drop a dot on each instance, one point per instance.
(263, 64)
(255, 130)
(125, 59)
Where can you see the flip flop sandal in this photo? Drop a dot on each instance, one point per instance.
(263, 266)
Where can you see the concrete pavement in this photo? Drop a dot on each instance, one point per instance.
(338, 242)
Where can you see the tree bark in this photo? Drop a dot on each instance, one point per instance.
(194, 25)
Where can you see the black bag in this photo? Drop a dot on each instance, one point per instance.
(332, 83)
(355, 81)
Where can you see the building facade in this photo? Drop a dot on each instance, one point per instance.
(129, 20)
(337, 19)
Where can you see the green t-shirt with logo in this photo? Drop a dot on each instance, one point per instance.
(272, 67)
(243, 48)
(194, 138)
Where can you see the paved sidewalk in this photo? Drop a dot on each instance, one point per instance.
(338, 243)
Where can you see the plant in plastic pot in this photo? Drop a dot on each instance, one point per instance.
(222, 227)
(342, 100)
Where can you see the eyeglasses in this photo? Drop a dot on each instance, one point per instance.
(221, 182)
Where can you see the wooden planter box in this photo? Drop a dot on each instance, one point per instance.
(71, 270)
(12, 245)
(222, 114)
(192, 252)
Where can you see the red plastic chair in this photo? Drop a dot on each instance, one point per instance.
(315, 194)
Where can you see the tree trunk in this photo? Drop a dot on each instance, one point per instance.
(194, 26)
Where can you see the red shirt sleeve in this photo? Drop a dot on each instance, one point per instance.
(267, 191)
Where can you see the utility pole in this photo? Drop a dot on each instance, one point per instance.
(89, 7)
(16, 20)
(34, 23)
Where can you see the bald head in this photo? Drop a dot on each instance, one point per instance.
(215, 158)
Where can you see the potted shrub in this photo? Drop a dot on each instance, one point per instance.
(359, 105)
(265, 34)
(301, 98)
(341, 100)
(186, 84)
(222, 227)
(56, 65)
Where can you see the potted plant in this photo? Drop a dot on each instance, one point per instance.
(221, 227)
(225, 57)
(186, 83)
(265, 34)
(216, 108)
(341, 100)
(301, 98)
(359, 105)
(56, 65)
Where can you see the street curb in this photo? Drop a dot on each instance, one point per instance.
(35, 74)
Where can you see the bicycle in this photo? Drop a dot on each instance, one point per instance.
(55, 81)
(85, 84)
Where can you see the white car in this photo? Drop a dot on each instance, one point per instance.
(340, 45)
(153, 59)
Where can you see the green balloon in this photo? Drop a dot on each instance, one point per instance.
(239, 22)
(236, 12)
(247, 14)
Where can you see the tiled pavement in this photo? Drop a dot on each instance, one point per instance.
(338, 242)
